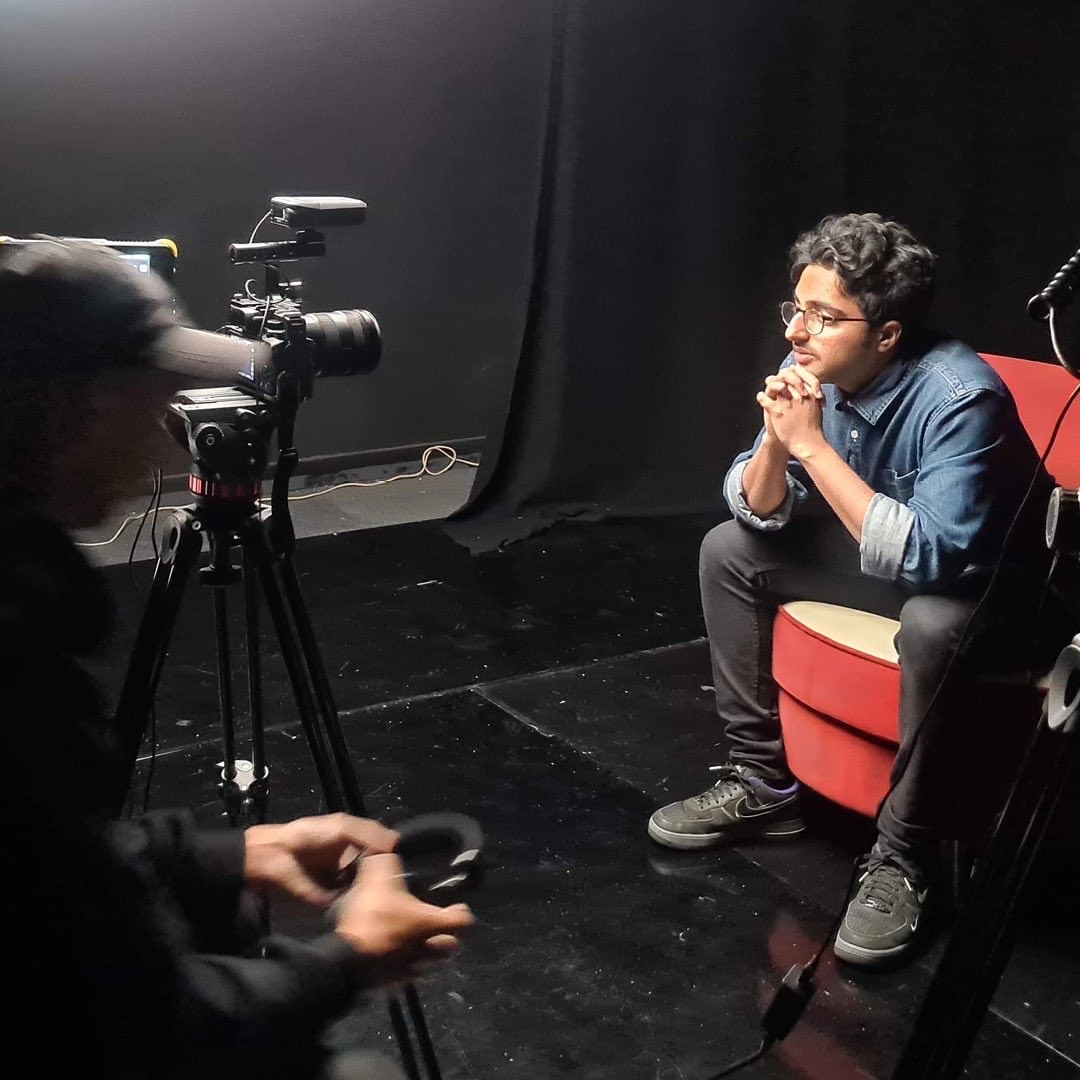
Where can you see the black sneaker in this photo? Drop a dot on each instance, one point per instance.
(739, 806)
(881, 921)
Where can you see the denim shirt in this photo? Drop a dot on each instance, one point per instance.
(938, 439)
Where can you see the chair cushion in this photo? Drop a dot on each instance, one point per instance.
(839, 685)
(841, 663)
(846, 766)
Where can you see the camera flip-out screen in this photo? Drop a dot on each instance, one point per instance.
(158, 256)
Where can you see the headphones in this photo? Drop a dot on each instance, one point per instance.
(440, 854)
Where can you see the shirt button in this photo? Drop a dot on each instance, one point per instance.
(854, 435)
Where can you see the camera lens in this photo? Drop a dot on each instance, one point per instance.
(344, 342)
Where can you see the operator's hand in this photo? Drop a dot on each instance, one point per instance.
(309, 859)
(399, 936)
(791, 404)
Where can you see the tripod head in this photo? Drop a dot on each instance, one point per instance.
(226, 430)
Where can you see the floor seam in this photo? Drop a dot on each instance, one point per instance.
(479, 688)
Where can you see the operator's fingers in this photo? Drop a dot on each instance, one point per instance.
(386, 872)
(384, 869)
(455, 917)
(338, 830)
(366, 835)
(442, 944)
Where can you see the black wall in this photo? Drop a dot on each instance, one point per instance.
(133, 120)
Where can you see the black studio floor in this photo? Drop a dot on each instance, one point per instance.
(555, 691)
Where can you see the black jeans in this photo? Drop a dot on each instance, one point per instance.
(746, 574)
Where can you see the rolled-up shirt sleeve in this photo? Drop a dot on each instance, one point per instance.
(885, 531)
(961, 496)
(733, 493)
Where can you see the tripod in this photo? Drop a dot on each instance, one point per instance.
(229, 517)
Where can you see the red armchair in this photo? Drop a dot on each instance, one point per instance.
(836, 667)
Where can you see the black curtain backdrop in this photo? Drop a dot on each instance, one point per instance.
(687, 144)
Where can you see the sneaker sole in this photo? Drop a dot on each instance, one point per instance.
(861, 956)
(695, 841)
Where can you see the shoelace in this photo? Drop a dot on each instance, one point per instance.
(883, 886)
(730, 783)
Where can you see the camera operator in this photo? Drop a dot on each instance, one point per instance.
(135, 942)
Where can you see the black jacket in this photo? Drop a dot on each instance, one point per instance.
(131, 947)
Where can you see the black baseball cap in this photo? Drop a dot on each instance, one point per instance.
(73, 305)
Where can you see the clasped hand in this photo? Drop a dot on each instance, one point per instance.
(791, 403)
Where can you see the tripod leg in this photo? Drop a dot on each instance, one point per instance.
(183, 543)
(401, 1033)
(335, 792)
(320, 684)
(427, 1048)
(332, 761)
(259, 788)
(220, 568)
(244, 784)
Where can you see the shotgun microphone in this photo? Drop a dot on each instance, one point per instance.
(1058, 292)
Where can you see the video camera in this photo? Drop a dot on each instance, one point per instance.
(226, 429)
(320, 343)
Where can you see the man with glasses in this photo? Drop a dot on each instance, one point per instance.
(889, 467)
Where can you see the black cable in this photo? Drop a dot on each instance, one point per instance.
(151, 507)
(995, 573)
(159, 484)
(834, 929)
(743, 1062)
(964, 633)
(791, 997)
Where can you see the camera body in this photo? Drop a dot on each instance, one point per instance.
(309, 345)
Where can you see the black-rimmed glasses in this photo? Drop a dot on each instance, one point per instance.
(815, 321)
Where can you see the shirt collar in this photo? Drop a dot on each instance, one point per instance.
(873, 399)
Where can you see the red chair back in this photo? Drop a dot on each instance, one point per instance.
(1041, 390)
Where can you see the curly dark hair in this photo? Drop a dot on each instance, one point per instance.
(881, 265)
